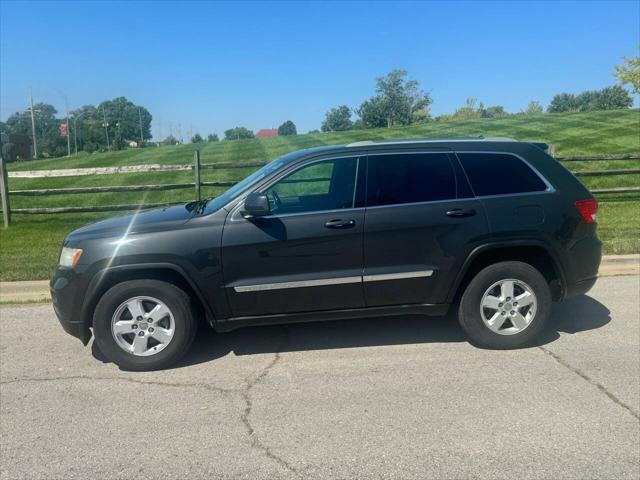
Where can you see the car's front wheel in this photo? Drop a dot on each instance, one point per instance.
(144, 324)
(506, 305)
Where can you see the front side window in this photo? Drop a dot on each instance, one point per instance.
(499, 174)
(410, 178)
(324, 185)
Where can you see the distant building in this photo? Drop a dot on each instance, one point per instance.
(267, 132)
(23, 143)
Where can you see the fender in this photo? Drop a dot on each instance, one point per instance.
(506, 244)
(94, 285)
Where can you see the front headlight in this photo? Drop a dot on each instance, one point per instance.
(70, 256)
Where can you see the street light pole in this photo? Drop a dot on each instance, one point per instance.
(66, 107)
(105, 125)
(75, 131)
(33, 127)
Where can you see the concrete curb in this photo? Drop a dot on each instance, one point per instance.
(38, 290)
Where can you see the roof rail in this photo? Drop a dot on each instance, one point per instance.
(365, 143)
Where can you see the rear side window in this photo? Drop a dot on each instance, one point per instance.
(499, 174)
(409, 178)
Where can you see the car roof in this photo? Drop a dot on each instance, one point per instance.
(441, 142)
(410, 141)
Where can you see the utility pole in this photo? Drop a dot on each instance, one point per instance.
(105, 125)
(66, 107)
(140, 120)
(33, 127)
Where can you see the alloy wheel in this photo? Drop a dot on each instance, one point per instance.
(143, 326)
(508, 307)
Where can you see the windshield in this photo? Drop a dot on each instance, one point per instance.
(218, 202)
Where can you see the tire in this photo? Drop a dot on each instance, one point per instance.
(163, 340)
(500, 328)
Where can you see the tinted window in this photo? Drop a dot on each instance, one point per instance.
(499, 174)
(327, 185)
(410, 178)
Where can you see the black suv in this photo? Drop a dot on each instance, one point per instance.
(495, 226)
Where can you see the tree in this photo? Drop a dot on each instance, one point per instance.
(287, 128)
(496, 111)
(399, 101)
(170, 140)
(609, 98)
(124, 120)
(50, 143)
(472, 109)
(373, 113)
(10, 152)
(238, 133)
(337, 119)
(563, 102)
(212, 137)
(89, 133)
(629, 73)
(533, 108)
(197, 138)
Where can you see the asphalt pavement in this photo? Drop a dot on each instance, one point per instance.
(404, 397)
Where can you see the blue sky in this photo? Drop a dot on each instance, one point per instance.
(219, 65)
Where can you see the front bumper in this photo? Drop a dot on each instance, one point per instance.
(67, 298)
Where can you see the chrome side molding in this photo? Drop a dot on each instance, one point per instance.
(333, 281)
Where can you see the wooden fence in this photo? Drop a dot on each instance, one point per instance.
(197, 167)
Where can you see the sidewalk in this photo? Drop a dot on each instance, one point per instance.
(38, 290)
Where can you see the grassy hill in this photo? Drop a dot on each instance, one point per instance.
(28, 249)
(613, 131)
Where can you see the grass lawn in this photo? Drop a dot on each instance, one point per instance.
(29, 248)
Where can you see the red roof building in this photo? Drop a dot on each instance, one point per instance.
(267, 132)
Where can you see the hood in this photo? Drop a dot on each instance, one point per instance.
(144, 221)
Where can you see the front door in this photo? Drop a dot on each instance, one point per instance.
(421, 223)
(307, 254)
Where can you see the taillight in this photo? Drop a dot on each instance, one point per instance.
(588, 209)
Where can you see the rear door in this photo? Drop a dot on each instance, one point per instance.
(421, 223)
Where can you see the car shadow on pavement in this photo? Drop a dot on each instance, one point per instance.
(572, 316)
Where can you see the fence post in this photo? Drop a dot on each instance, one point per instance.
(552, 150)
(196, 160)
(4, 192)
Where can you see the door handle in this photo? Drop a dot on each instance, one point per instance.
(461, 212)
(340, 223)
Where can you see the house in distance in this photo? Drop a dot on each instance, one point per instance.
(267, 132)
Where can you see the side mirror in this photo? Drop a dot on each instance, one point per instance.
(256, 205)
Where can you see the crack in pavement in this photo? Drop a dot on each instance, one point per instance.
(206, 386)
(599, 386)
(246, 395)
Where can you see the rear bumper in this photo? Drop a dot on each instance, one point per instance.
(66, 299)
(583, 263)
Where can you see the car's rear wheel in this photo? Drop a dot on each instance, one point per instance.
(506, 305)
(144, 324)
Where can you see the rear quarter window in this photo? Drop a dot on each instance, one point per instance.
(499, 174)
